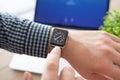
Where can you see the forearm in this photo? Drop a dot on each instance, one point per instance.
(23, 36)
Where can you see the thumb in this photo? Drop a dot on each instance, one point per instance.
(27, 76)
(54, 54)
(52, 65)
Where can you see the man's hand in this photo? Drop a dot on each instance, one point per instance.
(51, 69)
(94, 54)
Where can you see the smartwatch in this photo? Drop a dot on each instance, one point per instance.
(59, 38)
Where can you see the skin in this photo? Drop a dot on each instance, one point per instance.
(51, 69)
(94, 54)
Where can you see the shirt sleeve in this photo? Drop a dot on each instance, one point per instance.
(23, 36)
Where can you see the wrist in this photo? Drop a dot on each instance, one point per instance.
(68, 46)
(71, 48)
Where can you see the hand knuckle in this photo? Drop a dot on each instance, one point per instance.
(100, 66)
(104, 39)
(105, 50)
(104, 33)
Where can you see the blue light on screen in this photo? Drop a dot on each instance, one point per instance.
(72, 13)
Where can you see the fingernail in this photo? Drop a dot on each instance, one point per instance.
(57, 49)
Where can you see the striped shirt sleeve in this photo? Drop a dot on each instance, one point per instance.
(23, 36)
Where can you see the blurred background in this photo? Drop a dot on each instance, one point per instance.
(22, 8)
(26, 8)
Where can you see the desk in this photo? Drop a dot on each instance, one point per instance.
(8, 74)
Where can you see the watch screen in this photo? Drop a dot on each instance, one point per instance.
(59, 37)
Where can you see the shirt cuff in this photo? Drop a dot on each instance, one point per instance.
(37, 40)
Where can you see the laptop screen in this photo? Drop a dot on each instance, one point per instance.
(87, 14)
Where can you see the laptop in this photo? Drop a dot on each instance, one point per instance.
(80, 14)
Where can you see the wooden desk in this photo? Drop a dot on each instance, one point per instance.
(8, 74)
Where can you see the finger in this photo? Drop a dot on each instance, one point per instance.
(67, 74)
(97, 77)
(113, 71)
(115, 57)
(93, 76)
(52, 65)
(79, 78)
(113, 37)
(54, 55)
(27, 76)
(116, 46)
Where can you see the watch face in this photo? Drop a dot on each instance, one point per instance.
(59, 37)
